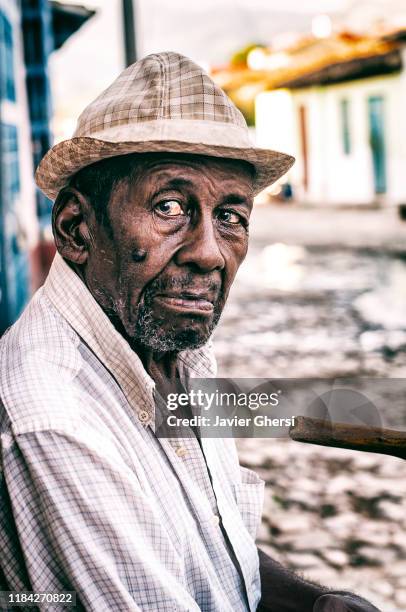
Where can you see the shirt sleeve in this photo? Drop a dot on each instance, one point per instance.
(85, 524)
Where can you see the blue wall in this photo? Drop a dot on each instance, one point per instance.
(14, 276)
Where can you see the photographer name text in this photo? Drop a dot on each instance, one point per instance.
(258, 420)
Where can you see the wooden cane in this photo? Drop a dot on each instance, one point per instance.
(344, 435)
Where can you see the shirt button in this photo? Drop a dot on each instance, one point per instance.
(215, 519)
(143, 416)
(181, 451)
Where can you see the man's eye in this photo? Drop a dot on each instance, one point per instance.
(171, 208)
(229, 216)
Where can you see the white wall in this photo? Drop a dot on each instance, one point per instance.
(335, 177)
(274, 123)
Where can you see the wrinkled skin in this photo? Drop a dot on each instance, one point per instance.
(180, 228)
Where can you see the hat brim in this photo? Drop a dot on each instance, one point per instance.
(66, 158)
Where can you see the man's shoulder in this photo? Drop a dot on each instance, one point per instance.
(39, 359)
(41, 335)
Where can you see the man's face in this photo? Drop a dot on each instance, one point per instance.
(178, 235)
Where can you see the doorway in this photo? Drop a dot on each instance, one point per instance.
(376, 111)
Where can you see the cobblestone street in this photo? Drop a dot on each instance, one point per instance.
(322, 293)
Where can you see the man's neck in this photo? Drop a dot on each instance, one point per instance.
(162, 367)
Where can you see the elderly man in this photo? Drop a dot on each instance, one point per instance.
(153, 198)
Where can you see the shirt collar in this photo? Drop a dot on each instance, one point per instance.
(70, 296)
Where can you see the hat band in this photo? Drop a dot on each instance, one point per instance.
(183, 130)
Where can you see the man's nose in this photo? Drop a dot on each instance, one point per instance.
(201, 247)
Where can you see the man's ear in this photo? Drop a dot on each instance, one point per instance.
(70, 217)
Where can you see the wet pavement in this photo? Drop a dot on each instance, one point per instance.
(322, 293)
(315, 308)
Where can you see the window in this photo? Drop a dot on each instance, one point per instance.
(7, 84)
(10, 163)
(345, 126)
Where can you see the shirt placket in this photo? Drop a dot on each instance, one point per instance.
(228, 523)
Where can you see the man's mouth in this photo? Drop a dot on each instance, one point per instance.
(186, 301)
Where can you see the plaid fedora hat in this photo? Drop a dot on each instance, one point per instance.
(164, 102)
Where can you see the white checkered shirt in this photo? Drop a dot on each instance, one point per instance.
(90, 499)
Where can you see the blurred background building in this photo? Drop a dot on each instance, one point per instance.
(334, 100)
(30, 31)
